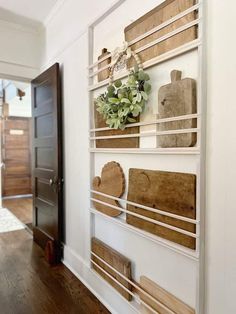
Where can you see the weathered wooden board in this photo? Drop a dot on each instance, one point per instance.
(157, 16)
(117, 261)
(167, 191)
(103, 75)
(163, 296)
(112, 182)
(132, 142)
(176, 99)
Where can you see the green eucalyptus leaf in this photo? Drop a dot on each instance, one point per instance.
(141, 75)
(145, 96)
(118, 83)
(131, 120)
(113, 100)
(110, 89)
(134, 100)
(147, 87)
(146, 77)
(125, 100)
(139, 97)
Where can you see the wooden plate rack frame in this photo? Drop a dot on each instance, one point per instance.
(199, 150)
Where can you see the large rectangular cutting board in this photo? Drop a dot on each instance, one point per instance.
(157, 16)
(117, 261)
(171, 192)
(164, 297)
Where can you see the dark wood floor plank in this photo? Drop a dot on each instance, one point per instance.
(28, 285)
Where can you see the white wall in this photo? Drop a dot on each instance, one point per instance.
(21, 49)
(221, 157)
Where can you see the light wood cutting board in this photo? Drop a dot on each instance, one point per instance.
(111, 182)
(163, 296)
(117, 261)
(155, 17)
(171, 192)
(177, 99)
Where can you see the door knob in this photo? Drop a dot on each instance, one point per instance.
(51, 182)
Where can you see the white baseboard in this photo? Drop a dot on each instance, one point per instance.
(105, 293)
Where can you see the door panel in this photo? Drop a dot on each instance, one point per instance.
(16, 155)
(47, 161)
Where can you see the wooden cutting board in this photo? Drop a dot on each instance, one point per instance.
(101, 123)
(176, 99)
(155, 17)
(117, 261)
(111, 182)
(131, 142)
(103, 75)
(171, 192)
(163, 296)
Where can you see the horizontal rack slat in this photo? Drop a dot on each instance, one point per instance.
(154, 42)
(194, 255)
(168, 35)
(158, 151)
(139, 301)
(157, 121)
(150, 32)
(137, 287)
(156, 222)
(162, 58)
(154, 210)
(147, 134)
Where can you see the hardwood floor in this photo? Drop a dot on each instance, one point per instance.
(22, 208)
(28, 285)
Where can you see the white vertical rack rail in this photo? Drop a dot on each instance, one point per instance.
(197, 44)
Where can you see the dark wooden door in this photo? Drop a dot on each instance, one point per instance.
(47, 162)
(16, 156)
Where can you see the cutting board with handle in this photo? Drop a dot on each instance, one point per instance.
(111, 182)
(164, 297)
(104, 74)
(177, 99)
(170, 192)
(160, 14)
(117, 261)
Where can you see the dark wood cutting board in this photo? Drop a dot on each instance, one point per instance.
(155, 17)
(172, 192)
(177, 99)
(117, 261)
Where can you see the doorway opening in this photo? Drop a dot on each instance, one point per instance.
(15, 124)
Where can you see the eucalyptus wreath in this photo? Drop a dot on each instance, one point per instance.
(122, 103)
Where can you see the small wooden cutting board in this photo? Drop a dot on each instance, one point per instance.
(171, 192)
(177, 99)
(117, 261)
(112, 182)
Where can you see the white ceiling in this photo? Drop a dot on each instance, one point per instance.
(26, 12)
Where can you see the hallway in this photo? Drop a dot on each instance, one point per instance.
(28, 285)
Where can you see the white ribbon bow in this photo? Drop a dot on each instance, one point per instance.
(125, 50)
